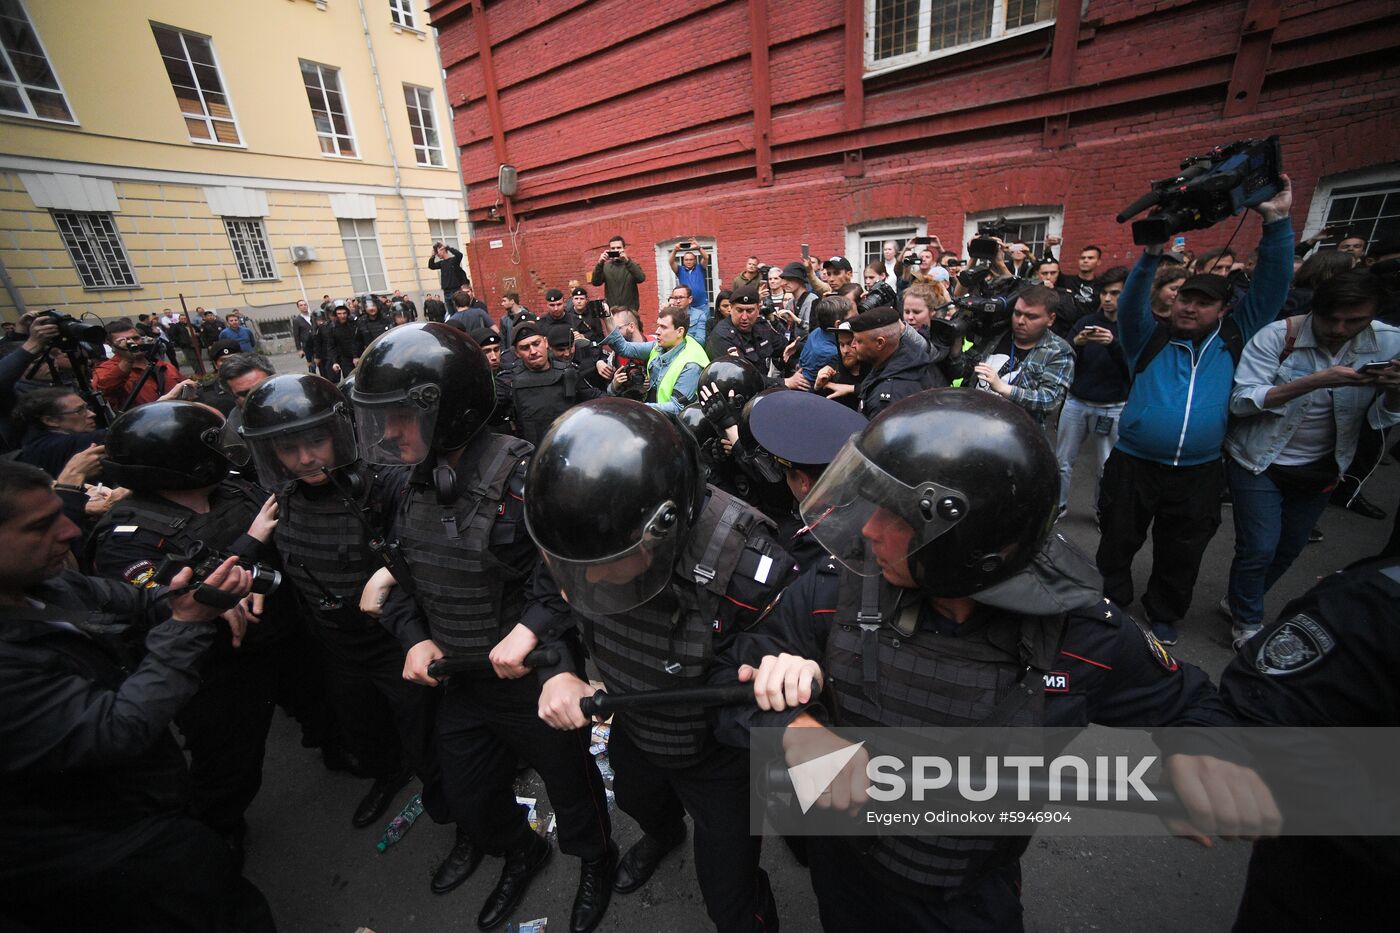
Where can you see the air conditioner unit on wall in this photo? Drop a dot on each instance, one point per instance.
(301, 254)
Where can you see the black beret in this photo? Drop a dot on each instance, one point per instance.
(522, 331)
(875, 317)
(560, 335)
(554, 294)
(744, 295)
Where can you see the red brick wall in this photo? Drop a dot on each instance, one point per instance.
(637, 119)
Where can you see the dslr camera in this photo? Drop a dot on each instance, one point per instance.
(983, 247)
(205, 560)
(71, 331)
(1209, 188)
(880, 295)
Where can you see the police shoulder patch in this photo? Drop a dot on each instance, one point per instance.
(1159, 651)
(1294, 646)
(141, 573)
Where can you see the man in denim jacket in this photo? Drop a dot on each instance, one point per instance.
(1301, 403)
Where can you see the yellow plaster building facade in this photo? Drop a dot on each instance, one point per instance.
(241, 153)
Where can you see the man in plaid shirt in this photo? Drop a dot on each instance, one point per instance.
(1030, 365)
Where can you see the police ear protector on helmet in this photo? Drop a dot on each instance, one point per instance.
(663, 521)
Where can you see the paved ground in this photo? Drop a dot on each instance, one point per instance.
(320, 874)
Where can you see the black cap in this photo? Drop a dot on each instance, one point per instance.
(875, 317)
(1215, 287)
(560, 335)
(802, 428)
(744, 295)
(578, 290)
(521, 331)
(793, 270)
(554, 294)
(838, 262)
(486, 337)
(222, 348)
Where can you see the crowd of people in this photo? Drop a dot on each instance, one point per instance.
(535, 502)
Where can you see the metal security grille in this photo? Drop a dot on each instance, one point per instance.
(1370, 211)
(904, 31)
(194, 75)
(250, 249)
(401, 12)
(328, 110)
(28, 85)
(96, 249)
(872, 247)
(427, 146)
(362, 256)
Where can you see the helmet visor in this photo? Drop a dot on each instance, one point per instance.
(304, 450)
(620, 582)
(855, 500)
(398, 430)
(228, 442)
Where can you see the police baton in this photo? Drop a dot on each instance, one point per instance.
(480, 665)
(603, 704)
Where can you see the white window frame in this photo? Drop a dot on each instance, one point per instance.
(253, 235)
(401, 14)
(445, 232)
(208, 118)
(1381, 176)
(321, 72)
(105, 247)
(905, 228)
(363, 275)
(428, 113)
(923, 53)
(1054, 214)
(23, 89)
(666, 279)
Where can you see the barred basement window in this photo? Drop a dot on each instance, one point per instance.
(1371, 211)
(28, 85)
(427, 146)
(362, 256)
(401, 12)
(96, 249)
(249, 241)
(1029, 224)
(902, 32)
(328, 109)
(445, 232)
(194, 75)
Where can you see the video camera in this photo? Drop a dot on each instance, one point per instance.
(1209, 188)
(205, 560)
(977, 315)
(983, 247)
(72, 333)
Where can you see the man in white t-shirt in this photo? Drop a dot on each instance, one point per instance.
(1303, 394)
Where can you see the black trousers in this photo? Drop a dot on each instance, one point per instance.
(853, 899)
(384, 720)
(1318, 884)
(181, 880)
(1181, 505)
(715, 792)
(484, 727)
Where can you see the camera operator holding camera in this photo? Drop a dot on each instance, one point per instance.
(120, 376)
(448, 263)
(1165, 468)
(619, 274)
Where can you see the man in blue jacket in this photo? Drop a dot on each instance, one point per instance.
(1165, 469)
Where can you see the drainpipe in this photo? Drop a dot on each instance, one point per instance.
(16, 298)
(393, 154)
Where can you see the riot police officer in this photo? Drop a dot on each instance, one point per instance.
(330, 507)
(167, 454)
(664, 571)
(947, 602)
(727, 386)
(422, 397)
(542, 388)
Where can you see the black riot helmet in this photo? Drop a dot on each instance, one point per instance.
(165, 445)
(297, 425)
(420, 387)
(736, 375)
(615, 487)
(968, 476)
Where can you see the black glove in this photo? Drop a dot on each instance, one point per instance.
(717, 409)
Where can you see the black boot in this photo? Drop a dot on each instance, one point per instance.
(640, 862)
(381, 794)
(458, 866)
(520, 867)
(595, 887)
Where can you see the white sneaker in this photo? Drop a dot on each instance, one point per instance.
(1239, 634)
(1224, 607)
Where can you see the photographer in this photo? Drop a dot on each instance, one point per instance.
(34, 339)
(619, 275)
(1029, 365)
(601, 362)
(674, 362)
(917, 259)
(448, 263)
(94, 786)
(690, 269)
(1165, 468)
(800, 298)
(117, 377)
(895, 360)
